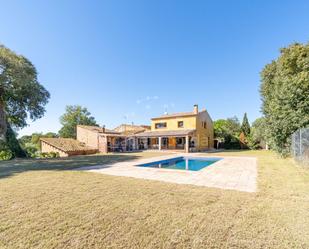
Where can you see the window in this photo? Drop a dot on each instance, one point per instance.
(204, 124)
(180, 140)
(160, 125)
(180, 124)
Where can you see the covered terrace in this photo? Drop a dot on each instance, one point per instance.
(167, 140)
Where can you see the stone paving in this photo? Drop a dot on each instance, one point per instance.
(236, 173)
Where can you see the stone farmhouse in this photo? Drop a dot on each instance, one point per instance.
(185, 131)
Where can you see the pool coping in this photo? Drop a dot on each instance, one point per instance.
(235, 173)
(180, 170)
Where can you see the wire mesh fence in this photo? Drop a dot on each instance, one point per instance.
(300, 145)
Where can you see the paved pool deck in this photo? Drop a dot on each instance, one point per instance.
(235, 173)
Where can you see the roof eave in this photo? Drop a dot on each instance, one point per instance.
(167, 117)
(155, 134)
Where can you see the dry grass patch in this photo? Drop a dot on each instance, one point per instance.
(56, 208)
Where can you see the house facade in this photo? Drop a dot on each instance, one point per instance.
(185, 131)
(120, 139)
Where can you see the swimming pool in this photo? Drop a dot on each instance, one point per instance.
(183, 163)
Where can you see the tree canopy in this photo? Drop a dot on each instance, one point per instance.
(285, 91)
(227, 130)
(220, 128)
(21, 94)
(74, 115)
(34, 138)
(226, 127)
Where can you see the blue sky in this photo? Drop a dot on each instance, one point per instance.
(130, 60)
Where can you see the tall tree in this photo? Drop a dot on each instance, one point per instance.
(74, 115)
(285, 91)
(245, 126)
(21, 95)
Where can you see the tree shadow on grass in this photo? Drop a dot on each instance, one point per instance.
(9, 168)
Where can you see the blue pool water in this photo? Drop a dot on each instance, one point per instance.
(182, 163)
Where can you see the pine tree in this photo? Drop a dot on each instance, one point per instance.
(245, 126)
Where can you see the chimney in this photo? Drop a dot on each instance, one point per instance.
(103, 128)
(195, 109)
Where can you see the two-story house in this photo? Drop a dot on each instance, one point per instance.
(188, 131)
(185, 131)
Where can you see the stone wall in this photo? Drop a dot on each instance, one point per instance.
(102, 146)
(204, 133)
(88, 137)
(48, 148)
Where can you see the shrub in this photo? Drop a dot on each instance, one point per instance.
(54, 154)
(5, 152)
(235, 145)
(48, 154)
(231, 143)
(6, 155)
(30, 149)
(253, 143)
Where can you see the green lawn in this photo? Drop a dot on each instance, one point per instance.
(44, 205)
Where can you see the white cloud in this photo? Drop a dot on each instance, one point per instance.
(147, 99)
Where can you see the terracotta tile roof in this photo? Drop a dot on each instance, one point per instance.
(169, 133)
(173, 115)
(98, 129)
(132, 132)
(66, 144)
(131, 127)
